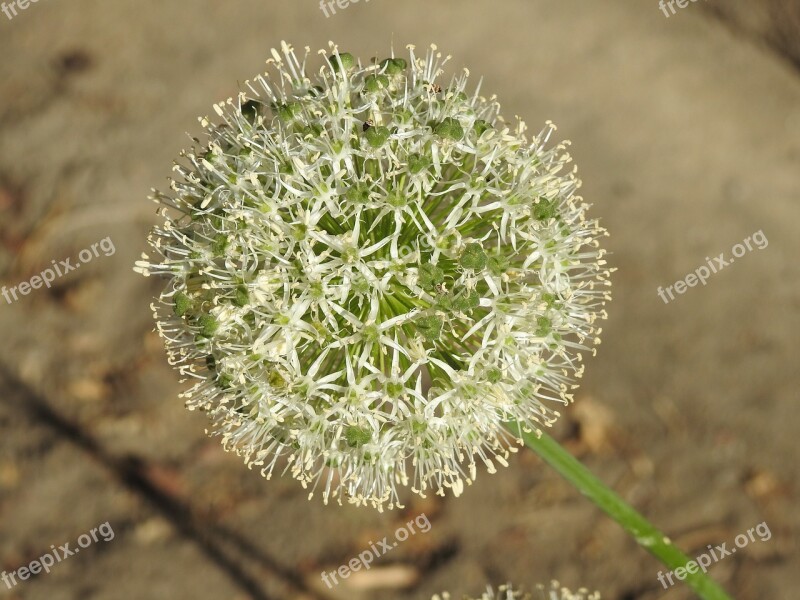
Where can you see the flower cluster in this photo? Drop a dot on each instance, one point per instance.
(554, 592)
(370, 272)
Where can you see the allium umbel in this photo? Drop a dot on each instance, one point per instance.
(370, 272)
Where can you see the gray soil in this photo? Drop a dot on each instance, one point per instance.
(686, 130)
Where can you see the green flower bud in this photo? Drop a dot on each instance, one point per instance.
(288, 111)
(545, 209)
(430, 276)
(393, 66)
(357, 436)
(544, 326)
(430, 327)
(377, 136)
(450, 129)
(480, 127)
(182, 304)
(473, 257)
(376, 83)
(208, 325)
(467, 302)
(342, 61)
(358, 193)
(418, 163)
(242, 296)
(220, 244)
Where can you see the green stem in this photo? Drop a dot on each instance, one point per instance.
(634, 523)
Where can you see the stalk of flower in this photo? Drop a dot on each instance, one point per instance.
(374, 281)
(552, 592)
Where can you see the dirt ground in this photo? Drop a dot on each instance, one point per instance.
(686, 131)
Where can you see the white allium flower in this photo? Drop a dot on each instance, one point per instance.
(554, 592)
(370, 271)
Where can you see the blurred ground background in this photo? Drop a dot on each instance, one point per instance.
(687, 133)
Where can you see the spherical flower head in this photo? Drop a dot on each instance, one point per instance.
(369, 271)
(554, 592)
